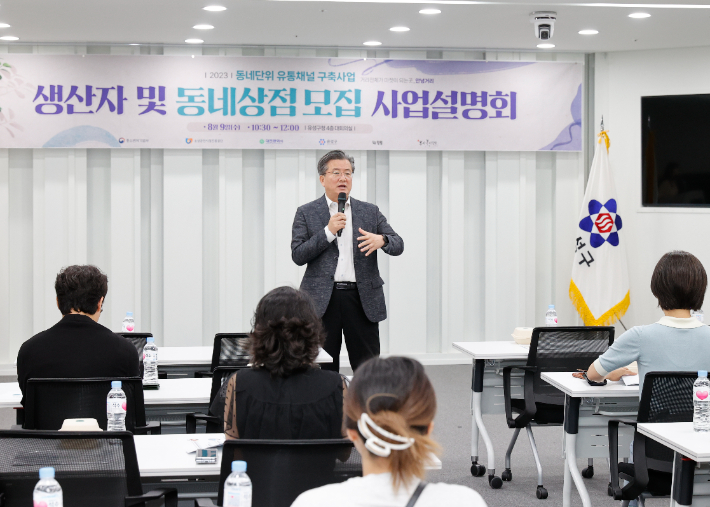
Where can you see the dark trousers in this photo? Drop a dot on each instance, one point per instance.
(345, 316)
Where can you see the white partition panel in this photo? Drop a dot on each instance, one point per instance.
(192, 239)
(408, 272)
(182, 247)
(124, 274)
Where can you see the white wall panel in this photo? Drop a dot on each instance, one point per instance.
(231, 317)
(453, 254)
(5, 349)
(408, 216)
(124, 273)
(182, 247)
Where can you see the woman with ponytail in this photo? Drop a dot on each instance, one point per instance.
(284, 395)
(389, 415)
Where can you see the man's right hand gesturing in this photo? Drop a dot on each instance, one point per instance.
(336, 223)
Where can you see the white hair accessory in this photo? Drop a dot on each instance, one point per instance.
(375, 444)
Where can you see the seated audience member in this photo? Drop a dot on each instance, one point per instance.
(77, 346)
(284, 395)
(389, 413)
(677, 342)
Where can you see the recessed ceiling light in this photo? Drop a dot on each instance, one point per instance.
(9, 37)
(214, 8)
(430, 11)
(546, 46)
(639, 15)
(372, 43)
(4, 25)
(399, 29)
(203, 27)
(588, 32)
(194, 41)
(134, 44)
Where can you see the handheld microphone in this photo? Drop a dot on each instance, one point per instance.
(341, 206)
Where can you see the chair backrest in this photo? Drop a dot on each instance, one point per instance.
(220, 376)
(555, 349)
(138, 340)
(666, 397)
(280, 470)
(48, 402)
(230, 349)
(92, 468)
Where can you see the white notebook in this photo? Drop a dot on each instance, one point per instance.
(630, 380)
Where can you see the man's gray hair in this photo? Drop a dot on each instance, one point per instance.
(334, 155)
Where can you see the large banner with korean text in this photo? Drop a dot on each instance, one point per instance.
(95, 101)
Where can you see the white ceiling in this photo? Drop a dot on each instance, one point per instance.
(473, 25)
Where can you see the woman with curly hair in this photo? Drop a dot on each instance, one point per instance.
(389, 416)
(284, 395)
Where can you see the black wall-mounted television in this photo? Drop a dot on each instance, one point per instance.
(675, 150)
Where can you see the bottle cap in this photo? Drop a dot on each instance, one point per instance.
(702, 373)
(239, 466)
(129, 314)
(150, 339)
(46, 473)
(116, 384)
(551, 307)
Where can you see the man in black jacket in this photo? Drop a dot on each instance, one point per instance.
(77, 346)
(342, 275)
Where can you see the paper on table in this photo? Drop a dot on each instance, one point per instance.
(203, 443)
(630, 380)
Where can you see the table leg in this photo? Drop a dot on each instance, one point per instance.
(571, 430)
(476, 394)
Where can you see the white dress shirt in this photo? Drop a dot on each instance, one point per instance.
(345, 271)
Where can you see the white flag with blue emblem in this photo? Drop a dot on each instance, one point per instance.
(599, 288)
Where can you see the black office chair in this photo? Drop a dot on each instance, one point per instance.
(229, 349)
(551, 349)
(93, 468)
(280, 470)
(48, 402)
(666, 397)
(139, 340)
(214, 422)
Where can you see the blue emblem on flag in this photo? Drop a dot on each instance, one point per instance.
(602, 223)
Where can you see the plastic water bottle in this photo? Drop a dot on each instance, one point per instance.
(701, 402)
(116, 408)
(551, 316)
(128, 323)
(150, 362)
(698, 314)
(48, 492)
(237, 487)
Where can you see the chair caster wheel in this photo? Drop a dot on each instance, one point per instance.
(507, 475)
(495, 482)
(609, 491)
(478, 470)
(541, 493)
(588, 472)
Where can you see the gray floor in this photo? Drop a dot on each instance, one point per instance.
(453, 431)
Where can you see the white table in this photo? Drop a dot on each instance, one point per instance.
(489, 358)
(575, 390)
(185, 361)
(163, 462)
(689, 483)
(165, 456)
(172, 392)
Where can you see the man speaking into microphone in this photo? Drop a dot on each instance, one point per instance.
(338, 237)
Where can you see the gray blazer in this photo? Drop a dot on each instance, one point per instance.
(309, 245)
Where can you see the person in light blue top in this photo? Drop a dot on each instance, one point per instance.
(677, 342)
